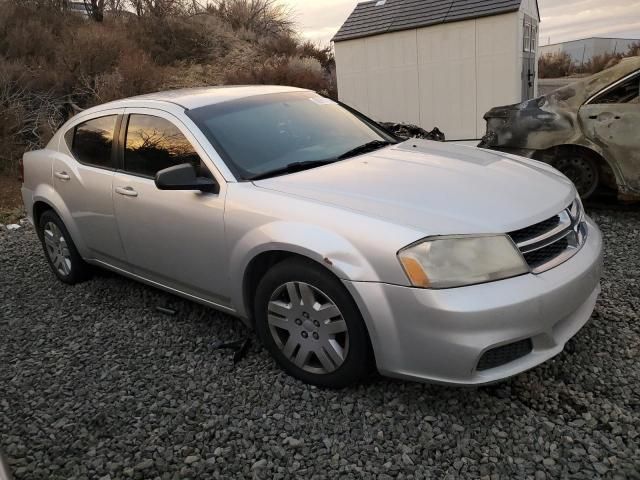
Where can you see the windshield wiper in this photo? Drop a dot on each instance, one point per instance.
(291, 168)
(366, 148)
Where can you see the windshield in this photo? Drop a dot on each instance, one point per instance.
(267, 133)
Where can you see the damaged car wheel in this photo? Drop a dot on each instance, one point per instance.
(582, 170)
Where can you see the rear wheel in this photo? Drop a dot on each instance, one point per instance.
(582, 170)
(61, 252)
(311, 325)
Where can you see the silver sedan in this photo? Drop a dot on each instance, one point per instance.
(345, 248)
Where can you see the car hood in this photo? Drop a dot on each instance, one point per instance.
(437, 188)
(551, 119)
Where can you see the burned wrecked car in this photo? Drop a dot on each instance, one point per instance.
(589, 130)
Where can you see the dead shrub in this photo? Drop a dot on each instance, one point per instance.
(281, 45)
(90, 50)
(134, 74)
(264, 17)
(199, 39)
(28, 119)
(295, 72)
(555, 65)
(27, 33)
(634, 50)
(599, 63)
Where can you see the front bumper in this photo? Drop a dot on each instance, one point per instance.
(440, 335)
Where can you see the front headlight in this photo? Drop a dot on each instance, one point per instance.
(456, 261)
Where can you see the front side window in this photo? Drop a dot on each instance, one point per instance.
(93, 141)
(153, 144)
(627, 92)
(266, 132)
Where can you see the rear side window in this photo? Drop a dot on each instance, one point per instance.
(627, 92)
(154, 144)
(93, 142)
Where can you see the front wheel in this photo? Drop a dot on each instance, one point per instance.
(311, 325)
(582, 170)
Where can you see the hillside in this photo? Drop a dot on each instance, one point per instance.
(53, 61)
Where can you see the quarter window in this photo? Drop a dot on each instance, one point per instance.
(93, 141)
(154, 144)
(627, 92)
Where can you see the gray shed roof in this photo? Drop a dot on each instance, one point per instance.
(377, 16)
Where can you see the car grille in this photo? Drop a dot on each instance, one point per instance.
(551, 242)
(496, 357)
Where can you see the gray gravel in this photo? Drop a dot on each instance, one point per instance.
(94, 383)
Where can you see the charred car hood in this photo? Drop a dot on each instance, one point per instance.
(437, 188)
(551, 119)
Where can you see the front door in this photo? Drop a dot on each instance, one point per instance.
(175, 238)
(82, 176)
(612, 120)
(529, 51)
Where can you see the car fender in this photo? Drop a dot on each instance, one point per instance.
(606, 155)
(593, 147)
(323, 246)
(47, 194)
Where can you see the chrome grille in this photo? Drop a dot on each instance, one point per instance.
(547, 244)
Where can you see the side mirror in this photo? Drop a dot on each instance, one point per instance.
(184, 177)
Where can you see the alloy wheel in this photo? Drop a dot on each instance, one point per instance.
(57, 248)
(308, 328)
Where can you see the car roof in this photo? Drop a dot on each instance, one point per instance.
(190, 98)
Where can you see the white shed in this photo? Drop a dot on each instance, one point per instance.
(438, 63)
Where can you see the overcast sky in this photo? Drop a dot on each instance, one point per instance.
(562, 20)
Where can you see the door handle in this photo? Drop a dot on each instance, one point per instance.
(604, 116)
(62, 176)
(126, 191)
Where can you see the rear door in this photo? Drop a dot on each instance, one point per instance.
(175, 238)
(82, 175)
(612, 120)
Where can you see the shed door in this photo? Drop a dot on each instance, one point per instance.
(529, 50)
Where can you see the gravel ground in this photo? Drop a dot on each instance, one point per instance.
(94, 383)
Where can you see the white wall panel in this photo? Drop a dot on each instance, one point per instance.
(352, 74)
(445, 75)
(499, 64)
(393, 77)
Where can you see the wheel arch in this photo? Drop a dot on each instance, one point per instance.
(39, 207)
(264, 261)
(259, 265)
(46, 198)
(608, 172)
(255, 249)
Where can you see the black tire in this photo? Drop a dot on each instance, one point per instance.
(75, 269)
(357, 364)
(582, 170)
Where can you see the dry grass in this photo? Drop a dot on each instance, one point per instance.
(11, 208)
(561, 64)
